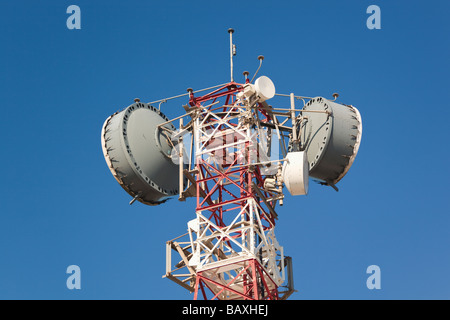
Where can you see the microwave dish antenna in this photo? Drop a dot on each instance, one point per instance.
(330, 138)
(138, 153)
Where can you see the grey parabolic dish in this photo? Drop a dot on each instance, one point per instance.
(137, 153)
(331, 140)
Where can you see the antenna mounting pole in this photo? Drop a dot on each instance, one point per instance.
(230, 31)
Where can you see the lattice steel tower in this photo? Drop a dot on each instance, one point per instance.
(235, 155)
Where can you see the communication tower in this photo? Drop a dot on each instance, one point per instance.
(236, 154)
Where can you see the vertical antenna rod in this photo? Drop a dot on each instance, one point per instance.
(230, 31)
(294, 129)
(180, 158)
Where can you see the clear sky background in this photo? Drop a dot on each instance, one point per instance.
(60, 205)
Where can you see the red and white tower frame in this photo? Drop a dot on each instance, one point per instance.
(230, 250)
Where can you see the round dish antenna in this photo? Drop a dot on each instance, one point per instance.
(138, 152)
(264, 88)
(296, 173)
(330, 136)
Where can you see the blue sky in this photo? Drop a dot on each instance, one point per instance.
(61, 206)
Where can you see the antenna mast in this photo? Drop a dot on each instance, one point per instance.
(232, 52)
(230, 251)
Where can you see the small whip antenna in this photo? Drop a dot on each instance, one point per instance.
(260, 58)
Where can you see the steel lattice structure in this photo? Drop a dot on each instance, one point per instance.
(232, 251)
